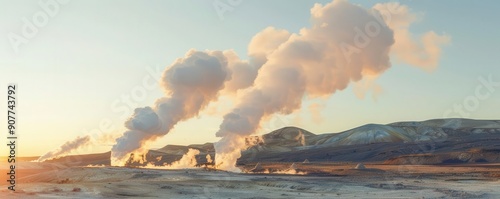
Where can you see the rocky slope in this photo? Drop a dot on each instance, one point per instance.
(430, 142)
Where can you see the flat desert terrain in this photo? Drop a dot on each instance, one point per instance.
(271, 180)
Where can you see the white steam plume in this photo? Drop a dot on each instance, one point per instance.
(78, 143)
(190, 84)
(344, 43)
(188, 160)
(209, 158)
(67, 148)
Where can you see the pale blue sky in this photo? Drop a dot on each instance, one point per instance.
(92, 52)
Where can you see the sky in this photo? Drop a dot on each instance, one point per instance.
(91, 63)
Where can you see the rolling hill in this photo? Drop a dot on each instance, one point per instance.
(439, 141)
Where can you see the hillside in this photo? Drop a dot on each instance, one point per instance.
(439, 141)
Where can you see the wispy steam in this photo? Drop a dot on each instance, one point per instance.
(78, 143)
(67, 148)
(188, 160)
(209, 158)
(344, 43)
(423, 52)
(315, 109)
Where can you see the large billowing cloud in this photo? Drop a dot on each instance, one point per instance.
(344, 43)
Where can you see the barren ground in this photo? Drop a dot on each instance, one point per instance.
(324, 180)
